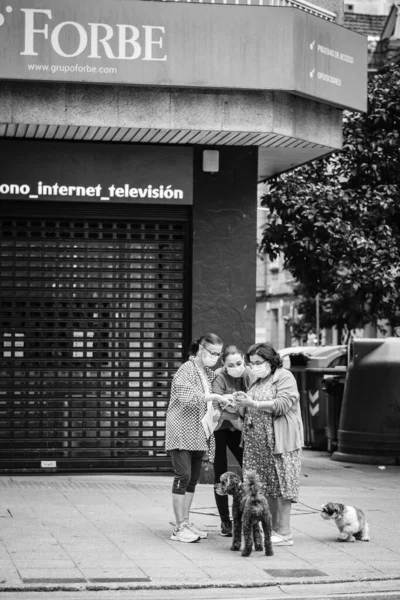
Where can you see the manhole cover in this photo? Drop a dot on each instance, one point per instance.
(295, 573)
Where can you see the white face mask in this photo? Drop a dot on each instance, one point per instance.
(209, 360)
(235, 371)
(210, 357)
(261, 371)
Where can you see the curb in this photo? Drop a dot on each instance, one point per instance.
(187, 586)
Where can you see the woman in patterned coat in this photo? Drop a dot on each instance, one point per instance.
(273, 435)
(186, 440)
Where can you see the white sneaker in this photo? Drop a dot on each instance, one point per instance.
(184, 534)
(281, 540)
(199, 532)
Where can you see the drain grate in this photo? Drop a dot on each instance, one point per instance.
(295, 573)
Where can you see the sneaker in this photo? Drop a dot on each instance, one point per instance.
(184, 534)
(199, 532)
(281, 540)
(226, 528)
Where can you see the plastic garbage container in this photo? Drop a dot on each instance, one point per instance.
(369, 428)
(316, 406)
(325, 360)
(334, 388)
(298, 364)
(309, 367)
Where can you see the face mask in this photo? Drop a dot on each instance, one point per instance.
(235, 371)
(209, 360)
(262, 370)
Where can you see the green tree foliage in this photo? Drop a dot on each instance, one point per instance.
(337, 220)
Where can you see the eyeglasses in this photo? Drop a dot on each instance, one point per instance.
(209, 351)
(256, 364)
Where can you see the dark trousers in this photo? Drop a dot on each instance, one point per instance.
(225, 438)
(187, 468)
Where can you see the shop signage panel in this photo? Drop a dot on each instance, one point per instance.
(96, 172)
(329, 63)
(183, 44)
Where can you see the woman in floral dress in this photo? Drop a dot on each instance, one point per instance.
(273, 435)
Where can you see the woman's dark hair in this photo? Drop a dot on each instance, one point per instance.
(230, 350)
(209, 338)
(267, 352)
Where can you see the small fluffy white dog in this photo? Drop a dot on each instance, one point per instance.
(350, 521)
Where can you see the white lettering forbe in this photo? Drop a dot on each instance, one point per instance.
(94, 43)
(149, 42)
(55, 39)
(124, 40)
(30, 30)
(130, 42)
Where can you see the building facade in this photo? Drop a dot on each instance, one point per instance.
(133, 135)
(275, 301)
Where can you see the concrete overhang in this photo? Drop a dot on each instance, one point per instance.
(272, 161)
(287, 129)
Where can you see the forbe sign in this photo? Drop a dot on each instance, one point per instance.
(183, 45)
(95, 41)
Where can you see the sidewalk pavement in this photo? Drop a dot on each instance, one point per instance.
(66, 532)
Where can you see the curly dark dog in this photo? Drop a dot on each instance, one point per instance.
(249, 508)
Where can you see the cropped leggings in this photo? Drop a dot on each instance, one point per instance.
(187, 468)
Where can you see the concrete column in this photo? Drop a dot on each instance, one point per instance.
(224, 246)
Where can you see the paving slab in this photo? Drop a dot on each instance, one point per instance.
(80, 531)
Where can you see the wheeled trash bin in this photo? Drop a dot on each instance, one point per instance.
(369, 429)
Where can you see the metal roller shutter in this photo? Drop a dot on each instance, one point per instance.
(94, 319)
